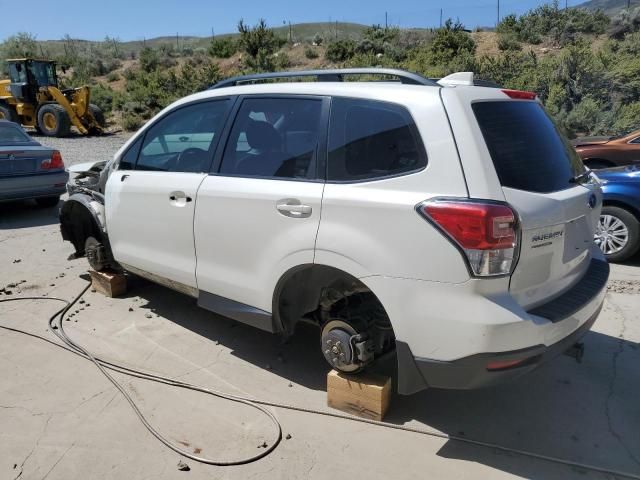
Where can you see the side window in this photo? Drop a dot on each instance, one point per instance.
(274, 137)
(371, 139)
(635, 140)
(128, 160)
(183, 140)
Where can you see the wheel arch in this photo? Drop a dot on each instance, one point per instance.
(306, 283)
(82, 216)
(614, 202)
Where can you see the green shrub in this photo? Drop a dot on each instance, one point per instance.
(149, 59)
(451, 41)
(317, 39)
(260, 43)
(508, 42)
(113, 77)
(311, 53)
(281, 61)
(102, 96)
(131, 122)
(223, 47)
(340, 50)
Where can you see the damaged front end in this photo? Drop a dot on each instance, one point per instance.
(82, 217)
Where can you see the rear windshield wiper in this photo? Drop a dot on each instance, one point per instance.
(580, 177)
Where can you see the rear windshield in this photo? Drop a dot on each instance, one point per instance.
(10, 134)
(527, 150)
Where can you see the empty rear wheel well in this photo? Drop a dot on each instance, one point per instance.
(310, 292)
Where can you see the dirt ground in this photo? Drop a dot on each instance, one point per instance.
(61, 419)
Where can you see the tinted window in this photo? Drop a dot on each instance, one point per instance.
(183, 140)
(527, 150)
(635, 140)
(128, 160)
(369, 139)
(11, 134)
(274, 137)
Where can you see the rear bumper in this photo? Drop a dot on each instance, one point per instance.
(471, 372)
(33, 186)
(447, 334)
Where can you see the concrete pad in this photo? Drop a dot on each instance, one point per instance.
(61, 419)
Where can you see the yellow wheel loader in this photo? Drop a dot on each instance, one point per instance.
(31, 97)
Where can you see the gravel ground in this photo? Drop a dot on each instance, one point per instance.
(78, 148)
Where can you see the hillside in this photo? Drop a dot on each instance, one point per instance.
(301, 32)
(583, 65)
(610, 7)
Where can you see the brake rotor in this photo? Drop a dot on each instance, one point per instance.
(337, 347)
(94, 252)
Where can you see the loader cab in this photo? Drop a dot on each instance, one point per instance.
(28, 76)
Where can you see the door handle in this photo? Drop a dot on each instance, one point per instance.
(294, 209)
(175, 196)
(124, 177)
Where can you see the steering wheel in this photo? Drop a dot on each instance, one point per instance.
(191, 160)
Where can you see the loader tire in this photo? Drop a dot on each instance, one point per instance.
(97, 114)
(8, 113)
(53, 120)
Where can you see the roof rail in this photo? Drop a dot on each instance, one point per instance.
(334, 75)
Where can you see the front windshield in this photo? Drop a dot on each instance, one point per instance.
(43, 72)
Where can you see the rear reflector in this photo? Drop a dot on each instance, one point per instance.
(485, 232)
(53, 163)
(506, 364)
(520, 94)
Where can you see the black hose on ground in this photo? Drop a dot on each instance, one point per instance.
(56, 327)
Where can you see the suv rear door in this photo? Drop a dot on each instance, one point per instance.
(258, 212)
(151, 198)
(536, 170)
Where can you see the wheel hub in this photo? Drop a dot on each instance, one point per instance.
(49, 120)
(337, 347)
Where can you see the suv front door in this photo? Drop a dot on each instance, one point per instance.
(258, 213)
(150, 199)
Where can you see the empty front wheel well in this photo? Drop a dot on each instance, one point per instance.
(78, 223)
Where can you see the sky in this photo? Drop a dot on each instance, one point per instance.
(135, 20)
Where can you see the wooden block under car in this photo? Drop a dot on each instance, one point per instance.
(364, 395)
(109, 283)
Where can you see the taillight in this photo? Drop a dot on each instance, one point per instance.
(53, 163)
(520, 94)
(486, 232)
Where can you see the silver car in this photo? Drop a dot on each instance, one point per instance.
(29, 169)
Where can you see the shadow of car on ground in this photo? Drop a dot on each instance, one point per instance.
(585, 413)
(26, 214)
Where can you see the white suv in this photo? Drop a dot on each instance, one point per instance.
(445, 221)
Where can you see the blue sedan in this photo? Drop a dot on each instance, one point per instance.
(28, 169)
(618, 234)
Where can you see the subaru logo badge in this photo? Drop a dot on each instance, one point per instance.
(593, 201)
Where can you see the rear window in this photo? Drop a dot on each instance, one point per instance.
(527, 150)
(371, 139)
(10, 135)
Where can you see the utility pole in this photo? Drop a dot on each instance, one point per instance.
(336, 29)
(213, 35)
(177, 45)
(290, 33)
(498, 13)
(440, 18)
(386, 23)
